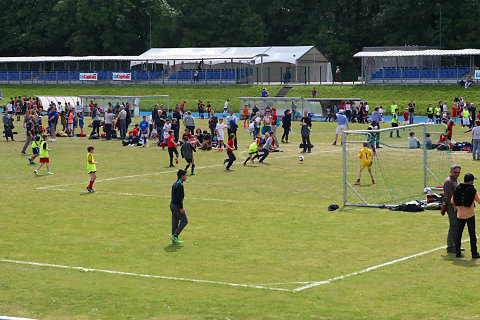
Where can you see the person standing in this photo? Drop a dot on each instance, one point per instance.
(96, 120)
(393, 107)
(286, 124)
(52, 122)
(212, 123)
(342, 122)
(122, 116)
(109, 120)
(30, 129)
(225, 107)
(411, 110)
(463, 200)
(306, 124)
(189, 122)
(8, 125)
(158, 124)
(314, 93)
(179, 216)
(476, 140)
(91, 168)
(395, 123)
(449, 186)
(128, 118)
(232, 126)
(338, 74)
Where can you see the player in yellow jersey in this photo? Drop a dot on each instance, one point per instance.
(91, 168)
(365, 155)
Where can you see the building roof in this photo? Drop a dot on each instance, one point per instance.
(284, 54)
(405, 53)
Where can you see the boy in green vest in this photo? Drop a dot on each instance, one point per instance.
(252, 151)
(44, 156)
(35, 148)
(395, 123)
(91, 168)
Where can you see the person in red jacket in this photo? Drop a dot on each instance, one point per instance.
(172, 148)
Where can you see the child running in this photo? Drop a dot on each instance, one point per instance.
(252, 151)
(187, 150)
(230, 154)
(91, 168)
(365, 155)
(44, 156)
(172, 147)
(35, 148)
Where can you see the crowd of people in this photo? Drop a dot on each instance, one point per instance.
(170, 129)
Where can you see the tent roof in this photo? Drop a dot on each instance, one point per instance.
(287, 54)
(429, 52)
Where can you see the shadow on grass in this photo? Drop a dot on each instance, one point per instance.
(465, 261)
(173, 247)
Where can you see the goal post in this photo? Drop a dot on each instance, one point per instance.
(401, 173)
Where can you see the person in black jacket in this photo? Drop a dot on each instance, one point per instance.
(179, 216)
(306, 124)
(286, 124)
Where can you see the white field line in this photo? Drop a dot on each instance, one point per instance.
(142, 275)
(168, 171)
(310, 284)
(317, 283)
(189, 198)
(14, 318)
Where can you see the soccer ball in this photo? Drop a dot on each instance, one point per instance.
(427, 190)
(301, 158)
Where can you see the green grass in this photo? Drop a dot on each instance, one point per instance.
(374, 95)
(258, 225)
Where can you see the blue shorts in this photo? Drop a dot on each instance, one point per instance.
(35, 150)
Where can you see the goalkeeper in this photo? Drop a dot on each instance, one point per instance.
(365, 155)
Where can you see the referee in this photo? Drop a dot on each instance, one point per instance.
(179, 217)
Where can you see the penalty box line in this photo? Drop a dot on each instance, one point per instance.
(132, 274)
(168, 171)
(318, 283)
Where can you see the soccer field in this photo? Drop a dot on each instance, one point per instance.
(260, 243)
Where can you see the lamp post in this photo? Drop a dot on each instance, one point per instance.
(440, 6)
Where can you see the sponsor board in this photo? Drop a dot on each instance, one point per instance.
(477, 74)
(88, 76)
(122, 76)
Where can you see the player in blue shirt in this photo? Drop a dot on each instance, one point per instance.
(144, 131)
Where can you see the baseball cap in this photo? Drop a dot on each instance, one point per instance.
(469, 177)
(274, 109)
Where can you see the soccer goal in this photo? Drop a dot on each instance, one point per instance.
(401, 173)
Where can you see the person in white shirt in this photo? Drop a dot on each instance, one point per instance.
(221, 135)
(78, 107)
(225, 107)
(10, 107)
(59, 107)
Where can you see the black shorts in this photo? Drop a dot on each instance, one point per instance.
(189, 160)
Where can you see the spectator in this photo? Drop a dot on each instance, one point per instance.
(122, 115)
(232, 126)
(109, 120)
(189, 121)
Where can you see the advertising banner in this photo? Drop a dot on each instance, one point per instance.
(89, 76)
(122, 76)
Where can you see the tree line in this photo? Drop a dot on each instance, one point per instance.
(337, 28)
